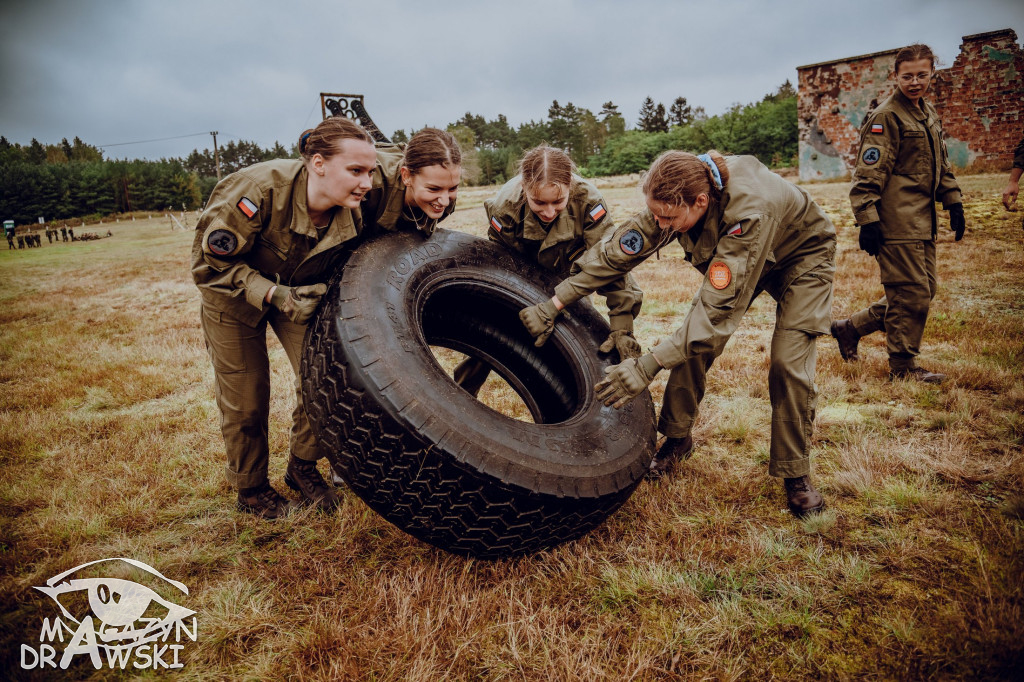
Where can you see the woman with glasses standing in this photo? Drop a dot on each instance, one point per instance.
(902, 170)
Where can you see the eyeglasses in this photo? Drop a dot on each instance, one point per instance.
(919, 77)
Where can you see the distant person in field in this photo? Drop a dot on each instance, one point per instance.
(71, 233)
(551, 216)
(747, 231)
(63, 233)
(270, 237)
(902, 170)
(1013, 185)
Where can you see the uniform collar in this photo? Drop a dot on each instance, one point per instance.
(704, 247)
(919, 113)
(301, 222)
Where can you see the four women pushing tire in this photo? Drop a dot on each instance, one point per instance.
(404, 451)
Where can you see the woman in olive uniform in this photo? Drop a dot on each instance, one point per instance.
(265, 245)
(415, 184)
(747, 230)
(902, 170)
(551, 216)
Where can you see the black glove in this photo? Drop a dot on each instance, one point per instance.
(956, 220)
(871, 238)
(298, 303)
(539, 320)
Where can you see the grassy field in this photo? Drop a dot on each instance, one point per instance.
(110, 447)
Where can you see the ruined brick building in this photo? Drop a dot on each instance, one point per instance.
(980, 99)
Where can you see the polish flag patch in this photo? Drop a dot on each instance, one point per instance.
(246, 206)
(735, 229)
(876, 128)
(495, 224)
(597, 212)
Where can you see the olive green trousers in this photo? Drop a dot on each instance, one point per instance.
(241, 366)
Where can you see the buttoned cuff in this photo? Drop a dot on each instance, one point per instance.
(666, 354)
(866, 215)
(256, 291)
(951, 197)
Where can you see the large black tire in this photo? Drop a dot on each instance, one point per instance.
(427, 455)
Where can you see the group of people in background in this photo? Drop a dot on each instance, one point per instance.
(271, 235)
(31, 239)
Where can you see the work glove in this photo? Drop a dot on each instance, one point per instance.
(956, 220)
(622, 341)
(539, 320)
(626, 380)
(871, 238)
(298, 303)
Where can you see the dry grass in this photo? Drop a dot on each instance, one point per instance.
(110, 446)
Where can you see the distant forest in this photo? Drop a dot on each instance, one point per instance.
(73, 180)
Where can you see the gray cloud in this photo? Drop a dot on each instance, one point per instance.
(113, 71)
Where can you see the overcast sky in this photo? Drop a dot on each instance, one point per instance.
(117, 71)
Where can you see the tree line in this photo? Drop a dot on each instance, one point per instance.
(72, 179)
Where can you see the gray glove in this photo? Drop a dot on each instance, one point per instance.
(622, 341)
(298, 303)
(539, 320)
(626, 380)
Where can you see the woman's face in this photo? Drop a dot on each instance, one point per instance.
(913, 77)
(432, 188)
(547, 201)
(678, 218)
(346, 177)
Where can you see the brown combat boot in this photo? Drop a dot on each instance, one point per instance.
(917, 374)
(264, 501)
(803, 499)
(847, 337)
(303, 477)
(671, 451)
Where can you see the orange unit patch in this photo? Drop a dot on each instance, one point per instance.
(719, 275)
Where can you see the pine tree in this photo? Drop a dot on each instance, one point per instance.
(681, 113)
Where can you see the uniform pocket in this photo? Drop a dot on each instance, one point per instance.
(914, 156)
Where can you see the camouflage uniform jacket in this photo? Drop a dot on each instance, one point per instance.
(764, 234)
(255, 231)
(384, 204)
(902, 170)
(585, 219)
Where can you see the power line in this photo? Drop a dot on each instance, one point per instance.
(159, 139)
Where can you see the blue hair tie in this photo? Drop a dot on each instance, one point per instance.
(709, 162)
(303, 140)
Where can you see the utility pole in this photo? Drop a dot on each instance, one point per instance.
(216, 154)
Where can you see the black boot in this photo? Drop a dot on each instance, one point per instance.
(263, 500)
(847, 337)
(917, 374)
(303, 477)
(803, 499)
(671, 451)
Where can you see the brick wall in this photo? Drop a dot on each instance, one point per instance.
(980, 99)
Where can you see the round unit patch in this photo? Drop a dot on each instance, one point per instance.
(719, 275)
(222, 242)
(632, 242)
(871, 156)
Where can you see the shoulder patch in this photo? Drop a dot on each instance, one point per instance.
(632, 242)
(877, 128)
(597, 212)
(496, 224)
(871, 156)
(246, 206)
(735, 229)
(222, 242)
(719, 275)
